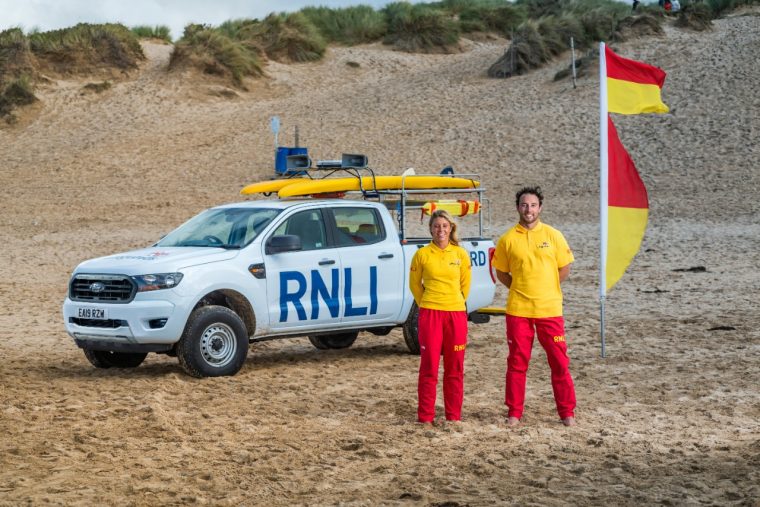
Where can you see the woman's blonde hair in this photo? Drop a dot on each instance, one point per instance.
(442, 213)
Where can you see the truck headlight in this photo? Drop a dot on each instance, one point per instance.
(157, 281)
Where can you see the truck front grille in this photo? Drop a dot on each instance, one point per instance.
(102, 288)
(107, 324)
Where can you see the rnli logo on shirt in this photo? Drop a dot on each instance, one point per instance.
(455, 263)
(545, 244)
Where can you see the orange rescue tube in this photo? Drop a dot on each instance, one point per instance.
(455, 208)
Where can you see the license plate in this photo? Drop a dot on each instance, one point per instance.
(91, 313)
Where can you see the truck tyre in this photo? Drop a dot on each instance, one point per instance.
(334, 341)
(214, 343)
(411, 329)
(108, 359)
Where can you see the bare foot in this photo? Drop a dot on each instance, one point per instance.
(512, 421)
(568, 421)
(426, 425)
(453, 425)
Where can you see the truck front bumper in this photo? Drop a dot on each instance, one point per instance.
(138, 326)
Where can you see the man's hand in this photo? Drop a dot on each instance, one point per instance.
(564, 272)
(504, 278)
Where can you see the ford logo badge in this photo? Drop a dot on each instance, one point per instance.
(97, 287)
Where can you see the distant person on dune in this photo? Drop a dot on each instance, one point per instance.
(439, 279)
(532, 259)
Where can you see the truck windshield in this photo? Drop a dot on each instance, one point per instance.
(221, 228)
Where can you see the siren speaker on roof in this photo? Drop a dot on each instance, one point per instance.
(355, 161)
(298, 162)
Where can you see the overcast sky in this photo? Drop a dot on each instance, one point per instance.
(45, 15)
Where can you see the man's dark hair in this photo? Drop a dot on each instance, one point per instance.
(530, 190)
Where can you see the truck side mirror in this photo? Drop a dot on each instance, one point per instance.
(283, 243)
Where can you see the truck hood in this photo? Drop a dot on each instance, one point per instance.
(155, 260)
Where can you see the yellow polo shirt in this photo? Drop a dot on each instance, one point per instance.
(533, 258)
(440, 279)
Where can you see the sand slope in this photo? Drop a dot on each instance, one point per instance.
(672, 416)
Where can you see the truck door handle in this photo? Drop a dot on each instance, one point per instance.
(385, 256)
(326, 262)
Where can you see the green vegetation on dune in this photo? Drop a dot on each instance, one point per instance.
(16, 56)
(160, 32)
(501, 19)
(81, 50)
(539, 31)
(215, 52)
(237, 47)
(84, 47)
(419, 28)
(287, 37)
(16, 92)
(348, 26)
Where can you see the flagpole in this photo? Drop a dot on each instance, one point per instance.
(603, 188)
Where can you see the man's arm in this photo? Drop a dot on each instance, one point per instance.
(504, 278)
(564, 272)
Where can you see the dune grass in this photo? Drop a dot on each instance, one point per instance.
(84, 47)
(16, 56)
(16, 92)
(348, 26)
(215, 52)
(720, 7)
(541, 29)
(287, 37)
(419, 28)
(234, 27)
(538, 40)
(77, 50)
(160, 32)
(236, 48)
(501, 19)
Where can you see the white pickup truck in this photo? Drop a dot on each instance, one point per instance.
(253, 271)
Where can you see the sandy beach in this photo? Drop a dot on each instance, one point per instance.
(670, 417)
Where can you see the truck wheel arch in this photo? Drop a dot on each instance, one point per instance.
(236, 302)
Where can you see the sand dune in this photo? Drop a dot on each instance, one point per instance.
(671, 416)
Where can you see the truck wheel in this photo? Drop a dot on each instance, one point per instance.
(334, 341)
(108, 359)
(411, 329)
(214, 343)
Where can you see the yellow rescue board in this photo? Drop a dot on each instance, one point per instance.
(493, 310)
(337, 185)
(269, 186)
(456, 208)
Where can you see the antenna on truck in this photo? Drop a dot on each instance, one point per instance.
(283, 165)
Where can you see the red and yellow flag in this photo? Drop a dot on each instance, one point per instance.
(627, 208)
(627, 87)
(633, 87)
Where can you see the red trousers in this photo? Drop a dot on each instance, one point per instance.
(441, 331)
(551, 335)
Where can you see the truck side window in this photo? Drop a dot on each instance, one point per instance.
(307, 225)
(357, 226)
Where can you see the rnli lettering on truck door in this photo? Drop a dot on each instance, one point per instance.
(297, 292)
